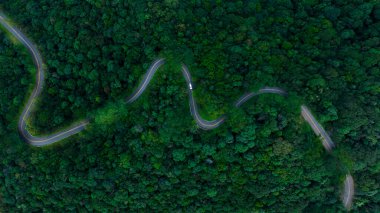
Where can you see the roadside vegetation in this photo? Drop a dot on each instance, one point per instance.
(149, 155)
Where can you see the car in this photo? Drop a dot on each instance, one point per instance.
(190, 86)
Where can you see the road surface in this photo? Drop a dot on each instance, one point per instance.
(348, 193)
(37, 59)
(273, 90)
(202, 123)
(146, 80)
(317, 128)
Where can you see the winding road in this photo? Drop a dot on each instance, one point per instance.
(40, 141)
(146, 80)
(37, 59)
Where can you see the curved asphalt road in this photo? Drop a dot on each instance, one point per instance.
(273, 90)
(207, 125)
(146, 80)
(204, 124)
(317, 128)
(33, 140)
(348, 193)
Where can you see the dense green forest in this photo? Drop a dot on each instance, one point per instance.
(150, 156)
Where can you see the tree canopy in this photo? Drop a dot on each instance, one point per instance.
(150, 156)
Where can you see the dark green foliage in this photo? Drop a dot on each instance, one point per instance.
(150, 156)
